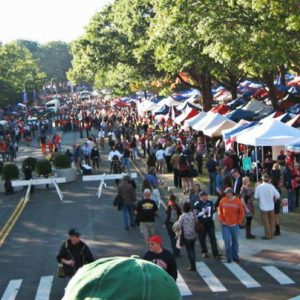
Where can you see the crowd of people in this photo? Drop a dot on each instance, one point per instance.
(186, 154)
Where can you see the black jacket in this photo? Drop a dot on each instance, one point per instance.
(80, 253)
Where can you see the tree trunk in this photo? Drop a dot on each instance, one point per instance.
(233, 91)
(268, 78)
(282, 75)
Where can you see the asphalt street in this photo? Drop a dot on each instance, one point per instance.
(28, 256)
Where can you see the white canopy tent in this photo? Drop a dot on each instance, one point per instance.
(190, 122)
(258, 107)
(210, 120)
(216, 130)
(183, 115)
(270, 133)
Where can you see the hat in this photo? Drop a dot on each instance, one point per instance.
(156, 239)
(147, 191)
(74, 232)
(265, 177)
(202, 193)
(228, 190)
(121, 278)
(234, 170)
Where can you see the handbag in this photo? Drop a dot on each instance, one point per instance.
(61, 271)
(198, 225)
(118, 201)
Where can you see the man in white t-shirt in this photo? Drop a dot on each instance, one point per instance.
(160, 158)
(267, 194)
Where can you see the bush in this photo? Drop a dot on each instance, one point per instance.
(43, 167)
(10, 172)
(1, 166)
(62, 161)
(29, 161)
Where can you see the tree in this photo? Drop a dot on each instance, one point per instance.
(54, 59)
(16, 67)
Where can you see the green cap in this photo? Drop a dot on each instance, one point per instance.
(123, 278)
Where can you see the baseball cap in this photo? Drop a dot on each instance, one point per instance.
(74, 232)
(127, 278)
(156, 239)
(202, 193)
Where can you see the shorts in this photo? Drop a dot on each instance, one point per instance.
(277, 206)
(147, 229)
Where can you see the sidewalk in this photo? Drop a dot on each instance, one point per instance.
(282, 250)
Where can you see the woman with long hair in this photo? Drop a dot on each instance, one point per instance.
(246, 195)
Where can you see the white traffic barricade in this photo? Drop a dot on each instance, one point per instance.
(39, 181)
(104, 177)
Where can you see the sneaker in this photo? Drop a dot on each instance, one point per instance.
(191, 268)
(205, 255)
(237, 260)
(219, 256)
(229, 261)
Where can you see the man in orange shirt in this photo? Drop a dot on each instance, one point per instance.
(231, 214)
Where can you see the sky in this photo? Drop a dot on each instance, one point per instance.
(44, 21)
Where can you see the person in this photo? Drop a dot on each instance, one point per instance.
(187, 222)
(95, 156)
(231, 215)
(237, 181)
(134, 278)
(184, 172)
(160, 159)
(290, 185)
(276, 180)
(145, 214)
(204, 210)
(211, 167)
(194, 195)
(173, 213)
(246, 195)
(127, 193)
(74, 253)
(175, 159)
(160, 256)
(266, 193)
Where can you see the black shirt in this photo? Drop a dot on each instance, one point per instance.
(146, 209)
(165, 260)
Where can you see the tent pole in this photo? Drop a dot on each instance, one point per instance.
(256, 164)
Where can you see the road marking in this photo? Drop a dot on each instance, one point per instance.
(295, 298)
(211, 280)
(12, 289)
(12, 221)
(242, 275)
(183, 287)
(278, 275)
(44, 288)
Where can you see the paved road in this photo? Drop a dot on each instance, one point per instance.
(27, 259)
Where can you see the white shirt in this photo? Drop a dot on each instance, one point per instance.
(160, 154)
(113, 153)
(266, 194)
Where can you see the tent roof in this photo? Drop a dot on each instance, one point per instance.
(210, 120)
(221, 109)
(270, 133)
(190, 122)
(216, 130)
(257, 107)
(239, 114)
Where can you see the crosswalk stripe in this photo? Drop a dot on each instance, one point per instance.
(242, 275)
(208, 276)
(44, 288)
(183, 287)
(278, 275)
(295, 298)
(12, 289)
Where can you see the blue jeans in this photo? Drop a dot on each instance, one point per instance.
(127, 210)
(126, 164)
(230, 237)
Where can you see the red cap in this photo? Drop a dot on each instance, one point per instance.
(156, 239)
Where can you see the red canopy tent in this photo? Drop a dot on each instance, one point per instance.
(221, 109)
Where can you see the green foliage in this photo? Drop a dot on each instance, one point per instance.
(43, 167)
(29, 161)
(10, 171)
(62, 161)
(16, 67)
